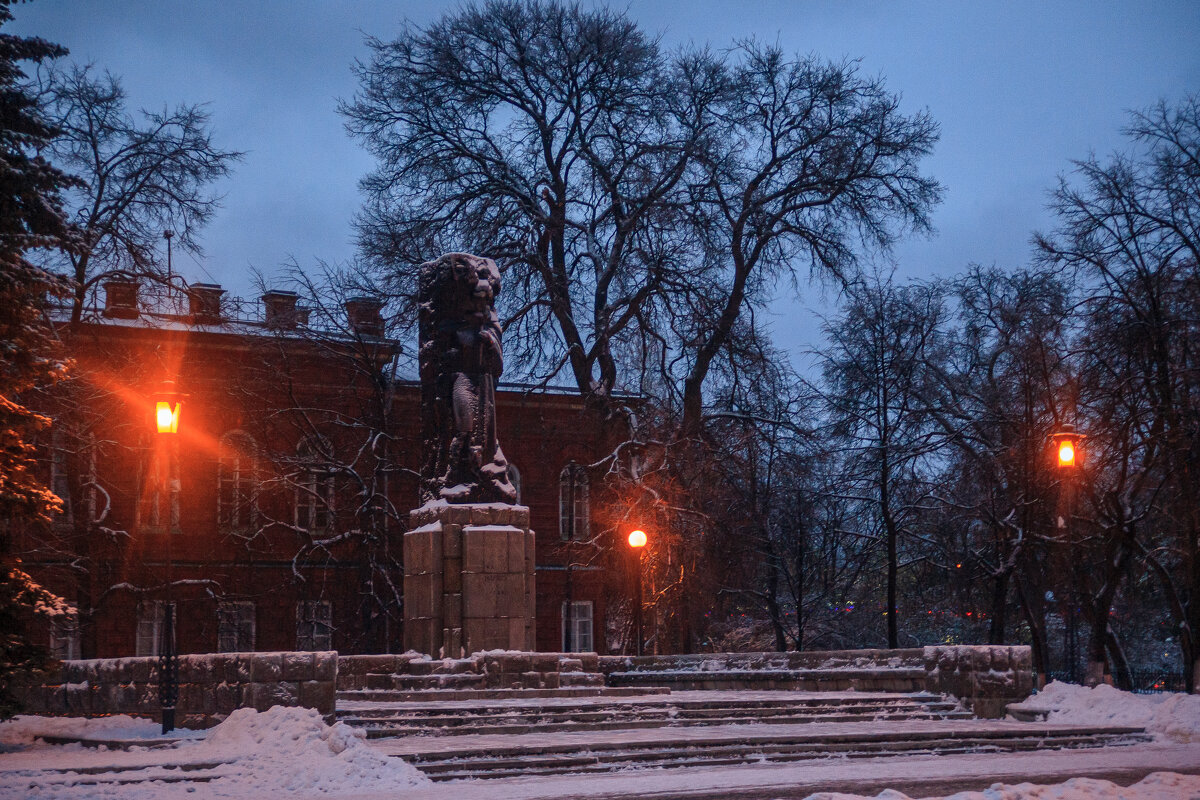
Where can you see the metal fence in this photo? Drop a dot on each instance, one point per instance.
(1144, 681)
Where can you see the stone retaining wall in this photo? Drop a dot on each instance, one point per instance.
(984, 678)
(211, 686)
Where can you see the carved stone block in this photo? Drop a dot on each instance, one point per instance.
(468, 586)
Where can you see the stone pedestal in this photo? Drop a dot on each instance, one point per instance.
(468, 579)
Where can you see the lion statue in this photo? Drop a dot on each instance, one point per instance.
(460, 361)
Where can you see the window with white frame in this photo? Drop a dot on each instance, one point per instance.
(577, 626)
(150, 628)
(573, 503)
(65, 460)
(235, 626)
(314, 625)
(64, 638)
(237, 483)
(314, 487)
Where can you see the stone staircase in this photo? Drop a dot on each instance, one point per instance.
(723, 747)
(543, 711)
(506, 714)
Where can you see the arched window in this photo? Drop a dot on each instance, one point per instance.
(573, 503)
(237, 483)
(314, 486)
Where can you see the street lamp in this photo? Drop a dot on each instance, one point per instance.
(637, 541)
(1066, 444)
(167, 406)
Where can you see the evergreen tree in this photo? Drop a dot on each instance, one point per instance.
(31, 218)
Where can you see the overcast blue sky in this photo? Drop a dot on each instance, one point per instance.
(1019, 89)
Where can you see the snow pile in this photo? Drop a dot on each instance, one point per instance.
(1156, 786)
(291, 749)
(274, 753)
(23, 730)
(1168, 715)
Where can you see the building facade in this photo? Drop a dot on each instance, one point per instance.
(273, 517)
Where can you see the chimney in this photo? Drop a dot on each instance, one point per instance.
(121, 298)
(363, 315)
(204, 302)
(280, 310)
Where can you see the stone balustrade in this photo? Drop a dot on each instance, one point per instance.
(211, 686)
(984, 678)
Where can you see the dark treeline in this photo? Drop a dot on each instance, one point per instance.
(647, 205)
(910, 494)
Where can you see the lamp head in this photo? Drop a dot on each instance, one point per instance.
(637, 539)
(1066, 447)
(166, 416)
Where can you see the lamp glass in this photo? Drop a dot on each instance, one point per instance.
(637, 539)
(166, 416)
(1066, 453)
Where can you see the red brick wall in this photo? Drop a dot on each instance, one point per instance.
(242, 382)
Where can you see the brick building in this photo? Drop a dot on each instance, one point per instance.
(273, 518)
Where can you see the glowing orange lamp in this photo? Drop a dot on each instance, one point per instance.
(166, 415)
(1066, 447)
(637, 539)
(167, 405)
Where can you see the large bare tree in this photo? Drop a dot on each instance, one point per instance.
(143, 174)
(640, 201)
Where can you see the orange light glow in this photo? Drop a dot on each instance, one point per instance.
(166, 415)
(637, 539)
(1066, 453)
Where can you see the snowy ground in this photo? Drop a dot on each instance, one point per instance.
(291, 753)
(283, 752)
(1169, 716)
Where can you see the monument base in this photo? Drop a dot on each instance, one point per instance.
(468, 579)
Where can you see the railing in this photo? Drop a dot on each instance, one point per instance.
(1144, 681)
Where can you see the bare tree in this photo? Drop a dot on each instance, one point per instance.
(1131, 226)
(550, 137)
(874, 385)
(143, 175)
(997, 391)
(811, 160)
(640, 202)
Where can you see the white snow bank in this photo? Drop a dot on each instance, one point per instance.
(289, 749)
(1156, 786)
(274, 753)
(1168, 716)
(23, 730)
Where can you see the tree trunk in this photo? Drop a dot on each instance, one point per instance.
(1035, 619)
(889, 524)
(999, 607)
(1121, 671)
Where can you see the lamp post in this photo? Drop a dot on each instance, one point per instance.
(167, 406)
(1066, 444)
(637, 541)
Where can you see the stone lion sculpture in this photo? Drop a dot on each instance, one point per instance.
(460, 361)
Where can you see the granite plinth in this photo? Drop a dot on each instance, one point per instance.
(468, 579)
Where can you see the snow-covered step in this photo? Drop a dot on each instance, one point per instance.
(746, 748)
(439, 695)
(564, 714)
